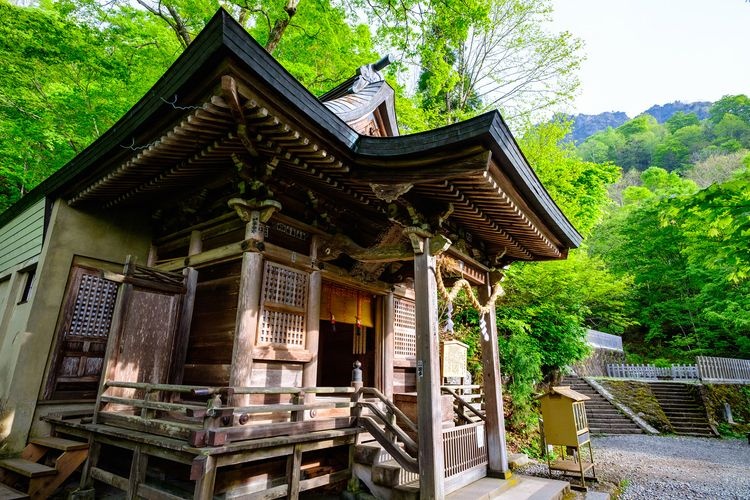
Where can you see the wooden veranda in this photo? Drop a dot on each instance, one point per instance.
(176, 441)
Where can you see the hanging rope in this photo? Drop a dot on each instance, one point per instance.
(450, 296)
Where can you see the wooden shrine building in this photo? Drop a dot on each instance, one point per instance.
(189, 294)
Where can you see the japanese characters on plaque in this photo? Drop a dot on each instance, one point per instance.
(453, 358)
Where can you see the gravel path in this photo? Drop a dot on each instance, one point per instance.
(670, 467)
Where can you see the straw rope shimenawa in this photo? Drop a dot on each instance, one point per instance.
(450, 296)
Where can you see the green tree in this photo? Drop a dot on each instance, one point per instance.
(686, 251)
(680, 120)
(64, 84)
(738, 105)
(473, 55)
(579, 187)
(641, 135)
(732, 133)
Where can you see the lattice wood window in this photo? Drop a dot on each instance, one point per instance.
(405, 328)
(283, 307)
(83, 334)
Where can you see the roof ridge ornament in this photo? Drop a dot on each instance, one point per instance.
(370, 73)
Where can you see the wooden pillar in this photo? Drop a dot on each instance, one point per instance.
(206, 480)
(493, 393)
(379, 382)
(389, 345)
(310, 370)
(429, 415)
(248, 308)
(138, 467)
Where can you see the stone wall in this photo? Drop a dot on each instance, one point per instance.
(596, 364)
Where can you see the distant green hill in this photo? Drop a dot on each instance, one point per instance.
(683, 139)
(585, 126)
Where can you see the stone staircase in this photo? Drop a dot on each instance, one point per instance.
(684, 411)
(43, 466)
(603, 416)
(386, 480)
(382, 475)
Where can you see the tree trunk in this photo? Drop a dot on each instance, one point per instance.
(274, 37)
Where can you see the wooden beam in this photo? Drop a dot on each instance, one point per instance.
(331, 249)
(138, 467)
(429, 414)
(102, 475)
(248, 310)
(493, 395)
(217, 437)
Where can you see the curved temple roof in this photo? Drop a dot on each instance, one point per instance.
(248, 103)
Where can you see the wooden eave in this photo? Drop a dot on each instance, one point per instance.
(157, 148)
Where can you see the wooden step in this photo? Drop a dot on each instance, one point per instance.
(8, 493)
(61, 444)
(27, 468)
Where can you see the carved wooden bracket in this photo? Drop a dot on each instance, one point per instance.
(390, 192)
(331, 248)
(245, 208)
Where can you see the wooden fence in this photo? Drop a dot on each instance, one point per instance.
(464, 449)
(651, 372)
(724, 369)
(707, 368)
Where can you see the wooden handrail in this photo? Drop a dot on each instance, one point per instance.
(406, 461)
(461, 402)
(389, 437)
(392, 407)
(409, 443)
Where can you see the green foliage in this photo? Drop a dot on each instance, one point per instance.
(686, 250)
(473, 55)
(320, 48)
(737, 105)
(63, 84)
(678, 143)
(680, 120)
(579, 187)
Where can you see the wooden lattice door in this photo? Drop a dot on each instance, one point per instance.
(82, 335)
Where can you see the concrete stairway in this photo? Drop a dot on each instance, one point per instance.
(681, 406)
(603, 416)
(30, 477)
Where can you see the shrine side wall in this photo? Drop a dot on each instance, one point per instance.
(71, 232)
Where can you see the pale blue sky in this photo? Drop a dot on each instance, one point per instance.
(645, 52)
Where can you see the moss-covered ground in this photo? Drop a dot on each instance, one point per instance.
(639, 398)
(738, 397)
